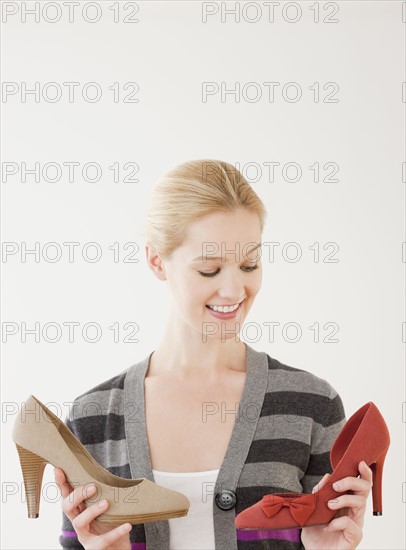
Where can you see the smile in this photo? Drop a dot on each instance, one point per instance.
(224, 309)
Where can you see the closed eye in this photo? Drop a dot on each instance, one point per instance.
(247, 269)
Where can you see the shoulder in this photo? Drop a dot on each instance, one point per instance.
(99, 405)
(113, 383)
(96, 418)
(303, 393)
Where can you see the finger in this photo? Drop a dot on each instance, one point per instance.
(321, 483)
(351, 530)
(64, 486)
(347, 501)
(81, 521)
(361, 486)
(366, 472)
(73, 504)
(108, 539)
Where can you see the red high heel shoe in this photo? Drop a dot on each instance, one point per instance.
(365, 436)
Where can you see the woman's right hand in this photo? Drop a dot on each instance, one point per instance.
(93, 535)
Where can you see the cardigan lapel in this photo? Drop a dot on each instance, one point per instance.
(241, 437)
(157, 533)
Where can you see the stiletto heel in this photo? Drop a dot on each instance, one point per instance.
(365, 436)
(43, 439)
(377, 473)
(32, 467)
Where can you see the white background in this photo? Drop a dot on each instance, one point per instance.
(169, 53)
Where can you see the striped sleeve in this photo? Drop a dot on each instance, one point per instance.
(327, 424)
(68, 538)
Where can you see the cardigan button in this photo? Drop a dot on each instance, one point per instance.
(225, 499)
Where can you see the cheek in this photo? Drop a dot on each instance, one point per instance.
(203, 295)
(256, 285)
(185, 292)
(194, 293)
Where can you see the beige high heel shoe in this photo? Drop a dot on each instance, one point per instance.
(42, 438)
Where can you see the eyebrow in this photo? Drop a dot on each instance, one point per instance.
(208, 257)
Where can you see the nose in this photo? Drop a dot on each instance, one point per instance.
(232, 288)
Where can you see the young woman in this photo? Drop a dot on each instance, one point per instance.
(205, 413)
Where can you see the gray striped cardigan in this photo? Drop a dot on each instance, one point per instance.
(286, 423)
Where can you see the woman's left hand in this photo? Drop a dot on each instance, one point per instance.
(344, 531)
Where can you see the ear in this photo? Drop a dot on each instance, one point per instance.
(155, 263)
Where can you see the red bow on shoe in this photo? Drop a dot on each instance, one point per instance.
(301, 507)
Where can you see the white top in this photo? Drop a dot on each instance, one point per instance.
(195, 531)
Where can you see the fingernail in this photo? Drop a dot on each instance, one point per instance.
(102, 503)
(336, 486)
(332, 502)
(91, 488)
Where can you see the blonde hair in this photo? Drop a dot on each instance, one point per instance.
(189, 191)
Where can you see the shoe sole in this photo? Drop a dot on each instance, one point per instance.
(105, 518)
(280, 528)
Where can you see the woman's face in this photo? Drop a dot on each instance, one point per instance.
(234, 278)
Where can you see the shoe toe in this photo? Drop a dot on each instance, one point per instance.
(168, 500)
(251, 518)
